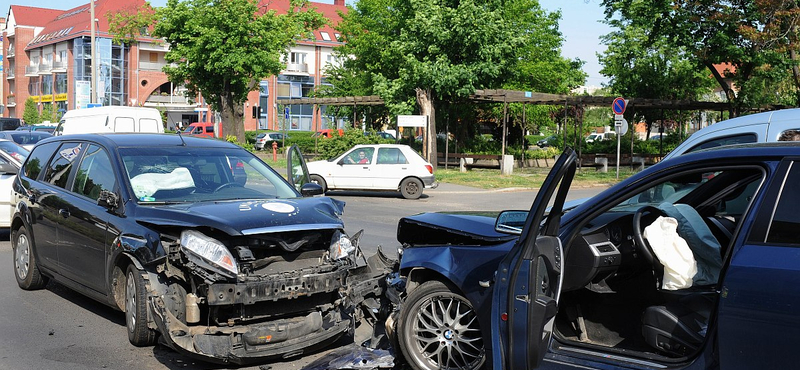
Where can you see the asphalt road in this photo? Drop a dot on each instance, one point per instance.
(55, 328)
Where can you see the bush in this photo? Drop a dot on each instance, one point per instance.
(247, 146)
(328, 148)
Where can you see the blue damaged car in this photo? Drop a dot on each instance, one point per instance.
(197, 241)
(693, 263)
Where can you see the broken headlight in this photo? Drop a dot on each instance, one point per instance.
(210, 251)
(341, 246)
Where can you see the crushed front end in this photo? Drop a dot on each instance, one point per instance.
(271, 295)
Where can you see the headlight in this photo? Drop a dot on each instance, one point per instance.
(340, 246)
(209, 250)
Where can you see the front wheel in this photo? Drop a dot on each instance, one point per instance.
(136, 309)
(411, 188)
(438, 329)
(25, 268)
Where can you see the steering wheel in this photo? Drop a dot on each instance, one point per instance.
(227, 185)
(642, 245)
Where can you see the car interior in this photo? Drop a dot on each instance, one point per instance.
(616, 296)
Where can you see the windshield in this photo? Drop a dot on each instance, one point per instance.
(19, 153)
(159, 175)
(670, 191)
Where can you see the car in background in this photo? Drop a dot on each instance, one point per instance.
(11, 158)
(265, 139)
(754, 128)
(9, 123)
(197, 241)
(391, 167)
(328, 133)
(600, 136)
(41, 127)
(27, 139)
(205, 129)
(689, 264)
(546, 142)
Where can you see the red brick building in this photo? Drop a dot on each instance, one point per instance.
(48, 57)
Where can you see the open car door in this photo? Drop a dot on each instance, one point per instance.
(297, 173)
(528, 281)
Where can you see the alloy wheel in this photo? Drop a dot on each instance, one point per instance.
(447, 335)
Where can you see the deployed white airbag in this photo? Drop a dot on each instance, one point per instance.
(673, 252)
(146, 184)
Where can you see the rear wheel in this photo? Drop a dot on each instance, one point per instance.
(25, 269)
(438, 329)
(411, 188)
(136, 309)
(317, 179)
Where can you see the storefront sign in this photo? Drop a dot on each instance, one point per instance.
(61, 97)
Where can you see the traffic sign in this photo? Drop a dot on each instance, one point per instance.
(621, 127)
(618, 106)
(286, 113)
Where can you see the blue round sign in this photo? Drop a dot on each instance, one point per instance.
(618, 106)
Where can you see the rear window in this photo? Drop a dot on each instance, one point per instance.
(37, 159)
(725, 140)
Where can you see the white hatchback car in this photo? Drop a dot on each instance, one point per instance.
(391, 167)
(11, 157)
(264, 140)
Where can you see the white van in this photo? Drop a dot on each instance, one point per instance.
(754, 128)
(110, 119)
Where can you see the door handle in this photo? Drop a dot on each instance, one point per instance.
(63, 212)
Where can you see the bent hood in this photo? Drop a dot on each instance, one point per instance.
(455, 228)
(249, 217)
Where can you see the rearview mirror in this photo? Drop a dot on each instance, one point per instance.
(511, 222)
(108, 199)
(310, 189)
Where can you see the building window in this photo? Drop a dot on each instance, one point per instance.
(61, 83)
(153, 57)
(33, 86)
(47, 85)
(62, 56)
(297, 58)
(325, 36)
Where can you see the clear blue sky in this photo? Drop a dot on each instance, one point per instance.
(580, 25)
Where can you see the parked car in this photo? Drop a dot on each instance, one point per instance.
(600, 136)
(328, 133)
(754, 128)
(110, 119)
(207, 129)
(265, 139)
(27, 139)
(614, 282)
(9, 123)
(11, 158)
(42, 127)
(198, 241)
(546, 142)
(391, 167)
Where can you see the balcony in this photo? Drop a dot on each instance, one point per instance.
(31, 71)
(11, 101)
(168, 99)
(59, 66)
(10, 74)
(301, 68)
(150, 66)
(10, 52)
(45, 68)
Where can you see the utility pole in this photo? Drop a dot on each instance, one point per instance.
(94, 53)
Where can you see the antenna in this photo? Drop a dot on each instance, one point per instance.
(183, 143)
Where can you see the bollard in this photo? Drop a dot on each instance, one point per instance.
(274, 151)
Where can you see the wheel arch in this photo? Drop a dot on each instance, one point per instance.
(419, 275)
(410, 177)
(117, 277)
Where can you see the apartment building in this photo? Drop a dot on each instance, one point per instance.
(48, 57)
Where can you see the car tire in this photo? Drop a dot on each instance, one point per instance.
(411, 188)
(139, 334)
(438, 329)
(26, 269)
(317, 179)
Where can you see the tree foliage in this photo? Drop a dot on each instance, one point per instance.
(31, 112)
(758, 39)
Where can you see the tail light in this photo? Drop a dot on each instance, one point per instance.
(429, 168)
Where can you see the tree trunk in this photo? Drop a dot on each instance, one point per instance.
(232, 118)
(426, 108)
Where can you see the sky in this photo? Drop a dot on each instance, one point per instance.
(580, 26)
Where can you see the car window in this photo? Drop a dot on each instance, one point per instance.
(94, 174)
(726, 140)
(17, 152)
(37, 159)
(200, 174)
(123, 124)
(669, 191)
(785, 225)
(391, 156)
(360, 156)
(148, 125)
(63, 163)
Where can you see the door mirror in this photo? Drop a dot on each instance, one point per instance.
(310, 189)
(511, 222)
(108, 199)
(297, 172)
(8, 169)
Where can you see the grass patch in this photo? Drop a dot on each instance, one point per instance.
(529, 178)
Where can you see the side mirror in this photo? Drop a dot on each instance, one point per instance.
(108, 199)
(310, 189)
(511, 222)
(8, 169)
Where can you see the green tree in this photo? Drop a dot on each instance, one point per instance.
(48, 113)
(427, 51)
(222, 48)
(31, 112)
